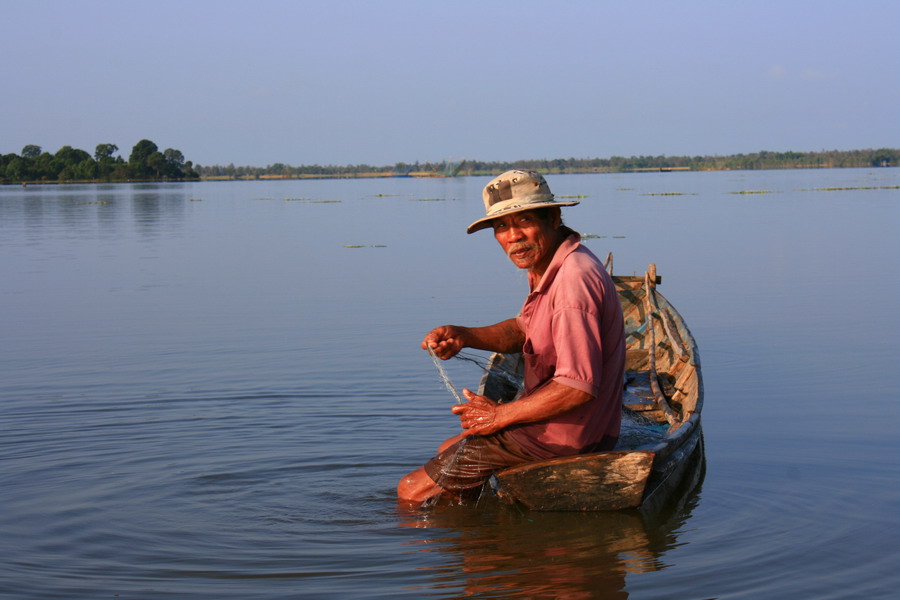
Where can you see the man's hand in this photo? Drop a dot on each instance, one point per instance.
(445, 341)
(478, 416)
(483, 416)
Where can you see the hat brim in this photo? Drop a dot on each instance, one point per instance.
(485, 222)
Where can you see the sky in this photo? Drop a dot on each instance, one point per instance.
(341, 82)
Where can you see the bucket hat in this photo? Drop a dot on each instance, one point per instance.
(512, 192)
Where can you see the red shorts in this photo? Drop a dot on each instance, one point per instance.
(470, 462)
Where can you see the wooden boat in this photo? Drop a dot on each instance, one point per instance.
(661, 438)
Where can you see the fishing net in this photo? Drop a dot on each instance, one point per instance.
(467, 461)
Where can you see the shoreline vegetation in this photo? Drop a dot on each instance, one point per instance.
(883, 157)
(72, 165)
(147, 164)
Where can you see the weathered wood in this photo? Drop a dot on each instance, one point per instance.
(651, 274)
(684, 377)
(672, 333)
(669, 467)
(635, 280)
(650, 309)
(676, 438)
(687, 471)
(603, 481)
(636, 359)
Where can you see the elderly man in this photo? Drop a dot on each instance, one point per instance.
(571, 332)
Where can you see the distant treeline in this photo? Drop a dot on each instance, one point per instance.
(884, 157)
(146, 162)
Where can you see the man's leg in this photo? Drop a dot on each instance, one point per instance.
(418, 486)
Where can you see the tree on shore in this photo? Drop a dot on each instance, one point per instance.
(72, 164)
(109, 167)
(31, 151)
(143, 161)
(885, 157)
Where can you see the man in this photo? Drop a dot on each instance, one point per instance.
(571, 332)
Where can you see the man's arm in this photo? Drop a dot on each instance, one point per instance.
(483, 416)
(505, 336)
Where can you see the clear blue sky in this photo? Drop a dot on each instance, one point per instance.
(380, 82)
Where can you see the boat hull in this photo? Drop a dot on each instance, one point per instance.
(600, 481)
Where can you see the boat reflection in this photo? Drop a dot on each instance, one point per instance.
(494, 549)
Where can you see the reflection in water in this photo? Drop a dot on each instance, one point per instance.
(157, 204)
(75, 207)
(496, 549)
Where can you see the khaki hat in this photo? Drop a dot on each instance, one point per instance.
(513, 192)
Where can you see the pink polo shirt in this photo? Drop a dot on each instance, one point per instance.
(574, 335)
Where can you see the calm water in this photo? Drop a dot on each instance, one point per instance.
(210, 390)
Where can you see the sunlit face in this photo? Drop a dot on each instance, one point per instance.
(528, 240)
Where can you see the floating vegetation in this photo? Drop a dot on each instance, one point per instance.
(574, 196)
(624, 189)
(311, 200)
(754, 192)
(365, 245)
(387, 195)
(863, 187)
(429, 200)
(594, 236)
(195, 199)
(93, 202)
(666, 194)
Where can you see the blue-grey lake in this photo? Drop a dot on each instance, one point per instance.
(210, 390)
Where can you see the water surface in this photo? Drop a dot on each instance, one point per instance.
(209, 390)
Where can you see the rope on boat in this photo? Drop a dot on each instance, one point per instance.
(650, 309)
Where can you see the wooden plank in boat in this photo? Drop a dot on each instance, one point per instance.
(603, 481)
(635, 279)
(640, 406)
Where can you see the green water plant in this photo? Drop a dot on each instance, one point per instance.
(311, 200)
(862, 187)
